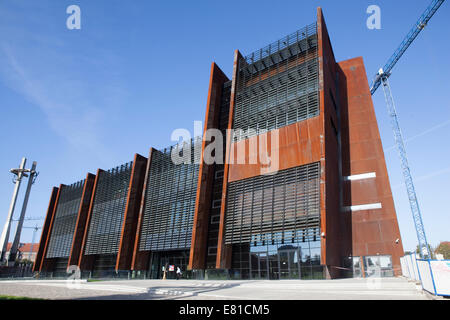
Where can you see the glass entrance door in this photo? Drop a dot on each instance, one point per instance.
(263, 266)
(378, 266)
(289, 264)
(259, 265)
(284, 264)
(155, 266)
(357, 267)
(274, 270)
(160, 261)
(372, 266)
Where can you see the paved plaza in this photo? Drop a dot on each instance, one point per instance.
(347, 289)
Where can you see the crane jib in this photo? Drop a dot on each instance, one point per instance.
(411, 36)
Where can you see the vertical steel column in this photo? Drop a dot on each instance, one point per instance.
(80, 224)
(199, 245)
(15, 244)
(131, 215)
(5, 233)
(46, 229)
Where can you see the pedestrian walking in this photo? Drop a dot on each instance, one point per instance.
(178, 273)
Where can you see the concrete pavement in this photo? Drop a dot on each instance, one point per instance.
(346, 289)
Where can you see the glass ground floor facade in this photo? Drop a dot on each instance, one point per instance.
(373, 266)
(167, 261)
(275, 262)
(293, 256)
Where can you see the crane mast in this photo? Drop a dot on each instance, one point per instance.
(382, 78)
(412, 197)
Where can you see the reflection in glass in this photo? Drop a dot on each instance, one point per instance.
(385, 262)
(295, 259)
(378, 266)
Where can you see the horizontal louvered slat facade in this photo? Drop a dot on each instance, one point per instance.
(65, 219)
(169, 205)
(274, 207)
(108, 211)
(278, 85)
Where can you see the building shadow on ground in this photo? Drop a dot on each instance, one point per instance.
(165, 293)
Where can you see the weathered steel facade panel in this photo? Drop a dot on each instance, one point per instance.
(45, 230)
(81, 220)
(129, 227)
(375, 232)
(200, 246)
(323, 199)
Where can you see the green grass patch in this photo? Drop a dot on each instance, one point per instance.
(4, 297)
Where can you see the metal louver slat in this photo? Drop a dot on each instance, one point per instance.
(278, 85)
(170, 201)
(288, 201)
(65, 219)
(108, 210)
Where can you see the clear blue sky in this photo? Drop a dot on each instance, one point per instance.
(77, 100)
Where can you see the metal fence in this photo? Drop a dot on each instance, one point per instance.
(19, 271)
(434, 275)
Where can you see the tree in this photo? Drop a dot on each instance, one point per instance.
(430, 250)
(444, 249)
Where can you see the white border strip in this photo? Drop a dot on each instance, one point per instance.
(364, 207)
(361, 176)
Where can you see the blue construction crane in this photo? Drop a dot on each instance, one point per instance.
(382, 78)
(412, 35)
(35, 229)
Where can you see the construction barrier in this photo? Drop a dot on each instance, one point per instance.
(434, 275)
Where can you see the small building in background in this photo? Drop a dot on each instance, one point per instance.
(27, 251)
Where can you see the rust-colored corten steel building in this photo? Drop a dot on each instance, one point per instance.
(303, 192)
